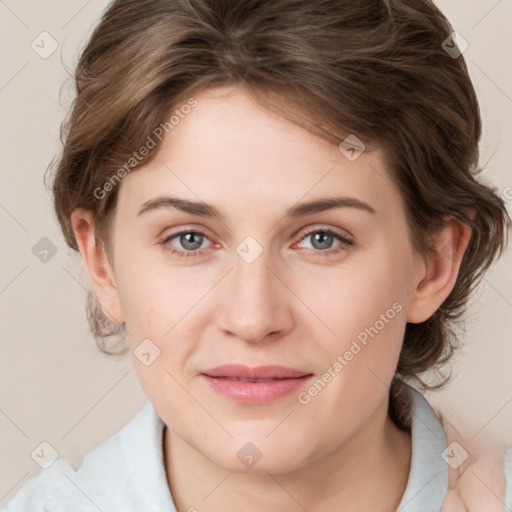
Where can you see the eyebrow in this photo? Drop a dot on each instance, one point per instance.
(302, 209)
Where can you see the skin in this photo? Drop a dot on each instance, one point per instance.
(293, 306)
(479, 483)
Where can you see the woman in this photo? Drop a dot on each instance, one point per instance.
(278, 208)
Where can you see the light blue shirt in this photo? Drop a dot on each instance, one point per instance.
(126, 473)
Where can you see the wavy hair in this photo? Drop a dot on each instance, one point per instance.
(377, 69)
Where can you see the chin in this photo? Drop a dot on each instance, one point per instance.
(258, 457)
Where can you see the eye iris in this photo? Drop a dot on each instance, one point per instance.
(321, 237)
(188, 238)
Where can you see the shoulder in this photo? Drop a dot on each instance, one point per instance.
(479, 473)
(109, 478)
(60, 487)
(44, 491)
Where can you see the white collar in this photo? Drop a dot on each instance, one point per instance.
(428, 477)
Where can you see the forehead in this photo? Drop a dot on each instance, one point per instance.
(228, 150)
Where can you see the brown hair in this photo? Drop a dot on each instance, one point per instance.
(377, 69)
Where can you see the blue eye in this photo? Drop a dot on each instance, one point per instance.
(191, 241)
(325, 238)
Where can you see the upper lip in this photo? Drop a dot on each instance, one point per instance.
(257, 372)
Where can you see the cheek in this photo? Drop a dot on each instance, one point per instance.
(151, 297)
(160, 306)
(352, 299)
(365, 311)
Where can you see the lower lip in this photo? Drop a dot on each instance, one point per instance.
(256, 392)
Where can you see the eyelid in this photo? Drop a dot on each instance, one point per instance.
(298, 235)
(320, 227)
(185, 229)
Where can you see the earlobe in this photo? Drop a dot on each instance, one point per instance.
(439, 270)
(100, 271)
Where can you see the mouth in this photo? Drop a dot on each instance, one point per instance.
(257, 373)
(255, 385)
(237, 379)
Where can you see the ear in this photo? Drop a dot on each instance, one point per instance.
(439, 270)
(95, 258)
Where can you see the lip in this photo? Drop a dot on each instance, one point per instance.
(240, 383)
(254, 372)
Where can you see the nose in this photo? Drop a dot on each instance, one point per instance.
(256, 305)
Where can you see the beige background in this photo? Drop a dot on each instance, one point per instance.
(55, 385)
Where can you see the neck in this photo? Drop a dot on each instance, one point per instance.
(368, 472)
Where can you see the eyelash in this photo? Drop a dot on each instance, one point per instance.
(311, 252)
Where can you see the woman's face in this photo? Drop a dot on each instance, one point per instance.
(321, 291)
